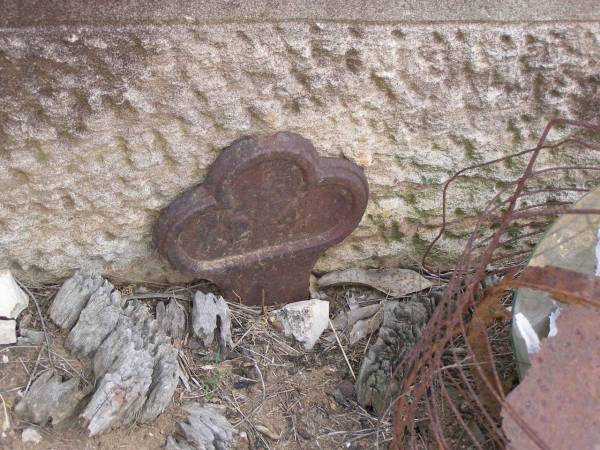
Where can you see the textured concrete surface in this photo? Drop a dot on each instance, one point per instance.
(101, 126)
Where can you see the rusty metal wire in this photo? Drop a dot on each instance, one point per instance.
(440, 384)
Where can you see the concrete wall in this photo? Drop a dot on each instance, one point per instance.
(107, 114)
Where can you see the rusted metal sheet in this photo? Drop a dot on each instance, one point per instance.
(564, 285)
(256, 226)
(557, 405)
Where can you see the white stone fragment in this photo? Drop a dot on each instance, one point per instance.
(532, 341)
(12, 298)
(305, 320)
(8, 332)
(552, 322)
(31, 435)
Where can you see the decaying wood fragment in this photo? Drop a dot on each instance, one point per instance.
(205, 428)
(137, 370)
(403, 322)
(135, 366)
(210, 314)
(171, 319)
(72, 298)
(50, 399)
(96, 321)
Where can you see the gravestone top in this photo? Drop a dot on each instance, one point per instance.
(267, 209)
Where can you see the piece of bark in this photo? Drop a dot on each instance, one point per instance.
(96, 321)
(171, 319)
(50, 399)
(403, 322)
(205, 428)
(72, 297)
(209, 314)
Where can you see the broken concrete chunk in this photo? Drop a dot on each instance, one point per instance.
(72, 297)
(96, 321)
(8, 331)
(171, 319)
(209, 314)
(205, 428)
(50, 399)
(305, 320)
(392, 282)
(12, 298)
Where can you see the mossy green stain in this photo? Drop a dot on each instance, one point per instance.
(517, 137)
(395, 233)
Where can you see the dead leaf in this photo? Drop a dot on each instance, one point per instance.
(363, 328)
(267, 432)
(393, 282)
(340, 321)
(364, 312)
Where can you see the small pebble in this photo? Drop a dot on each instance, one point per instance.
(31, 435)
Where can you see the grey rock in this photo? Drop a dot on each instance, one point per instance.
(96, 321)
(72, 297)
(403, 322)
(205, 428)
(171, 319)
(210, 313)
(50, 399)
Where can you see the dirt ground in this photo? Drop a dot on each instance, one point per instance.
(277, 396)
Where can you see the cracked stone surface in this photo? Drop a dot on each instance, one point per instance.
(101, 126)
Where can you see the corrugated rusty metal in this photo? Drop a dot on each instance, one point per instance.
(256, 226)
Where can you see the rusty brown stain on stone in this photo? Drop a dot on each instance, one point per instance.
(256, 226)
